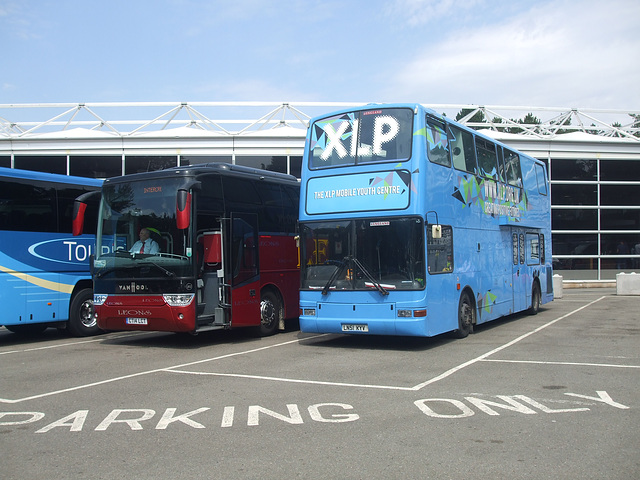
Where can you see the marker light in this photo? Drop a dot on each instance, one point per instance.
(412, 313)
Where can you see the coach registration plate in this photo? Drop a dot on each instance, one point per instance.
(349, 327)
(136, 321)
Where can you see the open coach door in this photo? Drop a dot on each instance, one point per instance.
(244, 270)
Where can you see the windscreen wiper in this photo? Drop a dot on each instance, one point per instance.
(334, 275)
(379, 287)
(168, 273)
(104, 271)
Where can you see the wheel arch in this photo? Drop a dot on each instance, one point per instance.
(81, 285)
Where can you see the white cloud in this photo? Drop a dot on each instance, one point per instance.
(420, 12)
(576, 54)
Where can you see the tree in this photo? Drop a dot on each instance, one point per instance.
(636, 123)
(529, 119)
(478, 117)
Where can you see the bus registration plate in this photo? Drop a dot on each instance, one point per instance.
(136, 321)
(349, 327)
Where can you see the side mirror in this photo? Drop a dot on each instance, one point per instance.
(183, 209)
(77, 226)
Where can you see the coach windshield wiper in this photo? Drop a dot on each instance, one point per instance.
(102, 272)
(379, 287)
(168, 273)
(334, 275)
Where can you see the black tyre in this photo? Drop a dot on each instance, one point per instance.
(82, 322)
(466, 316)
(270, 314)
(536, 299)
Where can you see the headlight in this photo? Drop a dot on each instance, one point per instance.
(178, 299)
(99, 298)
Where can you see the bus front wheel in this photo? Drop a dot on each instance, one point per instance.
(466, 316)
(270, 313)
(82, 322)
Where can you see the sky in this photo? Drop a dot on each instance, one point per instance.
(543, 53)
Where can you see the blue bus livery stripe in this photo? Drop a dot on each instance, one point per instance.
(47, 284)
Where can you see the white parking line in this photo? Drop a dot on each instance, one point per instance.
(77, 342)
(577, 364)
(164, 369)
(179, 368)
(420, 386)
(502, 347)
(293, 380)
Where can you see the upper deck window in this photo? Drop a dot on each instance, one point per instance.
(376, 135)
(462, 149)
(487, 159)
(512, 172)
(437, 142)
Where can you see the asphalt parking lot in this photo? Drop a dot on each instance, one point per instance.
(556, 395)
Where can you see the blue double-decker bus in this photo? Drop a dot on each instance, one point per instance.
(412, 224)
(44, 270)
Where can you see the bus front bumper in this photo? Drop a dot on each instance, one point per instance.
(150, 313)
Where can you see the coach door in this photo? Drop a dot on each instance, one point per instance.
(245, 273)
(519, 273)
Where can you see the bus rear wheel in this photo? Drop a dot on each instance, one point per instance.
(466, 316)
(270, 313)
(82, 322)
(536, 299)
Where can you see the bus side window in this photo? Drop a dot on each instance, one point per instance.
(487, 160)
(440, 251)
(501, 172)
(462, 150)
(512, 170)
(542, 180)
(437, 142)
(29, 206)
(533, 249)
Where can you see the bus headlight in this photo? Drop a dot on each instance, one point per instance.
(99, 298)
(178, 299)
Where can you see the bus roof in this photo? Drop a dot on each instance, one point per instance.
(200, 169)
(49, 177)
(417, 107)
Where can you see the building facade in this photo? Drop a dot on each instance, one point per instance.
(593, 156)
